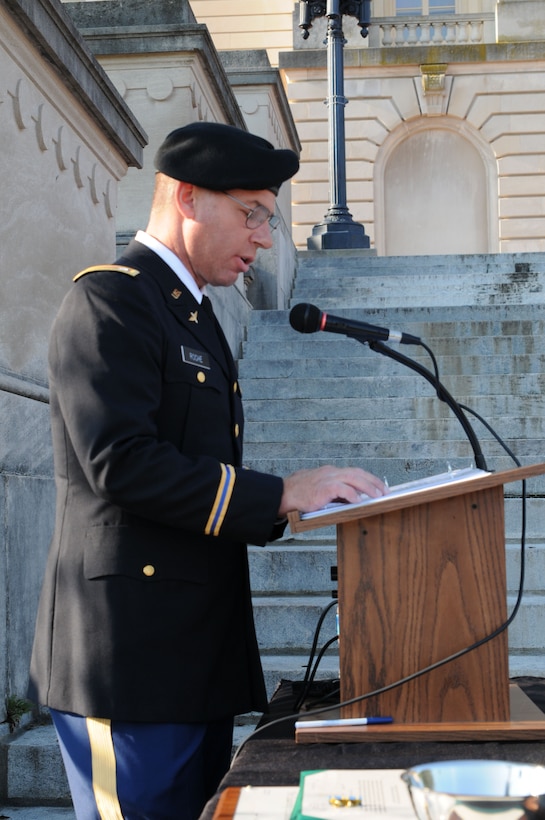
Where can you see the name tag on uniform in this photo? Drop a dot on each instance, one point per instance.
(198, 358)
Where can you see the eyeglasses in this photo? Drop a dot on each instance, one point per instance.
(256, 216)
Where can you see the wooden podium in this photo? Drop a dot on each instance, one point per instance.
(421, 575)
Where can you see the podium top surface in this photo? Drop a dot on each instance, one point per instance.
(413, 494)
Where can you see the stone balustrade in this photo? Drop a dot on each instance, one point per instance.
(432, 30)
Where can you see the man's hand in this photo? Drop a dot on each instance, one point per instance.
(309, 490)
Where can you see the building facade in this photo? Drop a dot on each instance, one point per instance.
(445, 122)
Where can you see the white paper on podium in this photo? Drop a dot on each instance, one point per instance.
(409, 488)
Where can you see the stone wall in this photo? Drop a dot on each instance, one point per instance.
(67, 140)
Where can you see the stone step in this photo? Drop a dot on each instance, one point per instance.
(297, 569)
(287, 624)
(341, 263)
(444, 332)
(400, 461)
(34, 769)
(426, 458)
(381, 366)
(324, 345)
(293, 667)
(292, 568)
(37, 812)
(433, 289)
(391, 407)
(385, 429)
(397, 461)
(398, 383)
(279, 667)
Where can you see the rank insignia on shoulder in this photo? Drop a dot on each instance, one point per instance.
(117, 268)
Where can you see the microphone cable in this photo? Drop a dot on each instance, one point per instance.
(334, 692)
(310, 672)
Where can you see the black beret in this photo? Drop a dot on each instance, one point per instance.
(221, 157)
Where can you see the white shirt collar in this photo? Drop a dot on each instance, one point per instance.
(172, 261)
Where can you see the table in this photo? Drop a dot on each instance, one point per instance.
(273, 758)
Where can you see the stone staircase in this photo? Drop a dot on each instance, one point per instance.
(324, 398)
(311, 399)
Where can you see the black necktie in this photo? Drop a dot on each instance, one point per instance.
(206, 304)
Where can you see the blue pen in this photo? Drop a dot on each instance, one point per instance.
(319, 724)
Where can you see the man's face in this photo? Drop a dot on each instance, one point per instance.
(217, 243)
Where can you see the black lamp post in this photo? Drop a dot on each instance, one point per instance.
(338, 230)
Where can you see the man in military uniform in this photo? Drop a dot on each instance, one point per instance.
(145, 646)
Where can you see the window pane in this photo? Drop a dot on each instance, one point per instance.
(417, 7)
(441, 7)
(413, 7)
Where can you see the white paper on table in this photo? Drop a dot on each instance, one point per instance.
(381, 791)
(266, 802)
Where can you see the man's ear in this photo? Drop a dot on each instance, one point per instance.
(185, 199)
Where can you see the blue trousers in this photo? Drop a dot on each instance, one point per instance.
(142, 771)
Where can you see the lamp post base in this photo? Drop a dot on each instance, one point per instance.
(337, 236)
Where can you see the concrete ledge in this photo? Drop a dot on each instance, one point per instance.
(253, 68)
(38, 813)
(417, 55)
(136, 28)
(48, 26)
(33, 769)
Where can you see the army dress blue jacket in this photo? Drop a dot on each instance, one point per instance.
(145, 612)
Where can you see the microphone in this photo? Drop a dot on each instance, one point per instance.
(307, 318)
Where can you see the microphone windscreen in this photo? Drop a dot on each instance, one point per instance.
(305, 318)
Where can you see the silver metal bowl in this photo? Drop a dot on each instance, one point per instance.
(468, 789)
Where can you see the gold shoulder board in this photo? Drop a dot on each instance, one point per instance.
(118, 268)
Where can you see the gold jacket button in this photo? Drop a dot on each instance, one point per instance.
(149, 570)
(237, 430)
(201, 377)
(235, 387)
